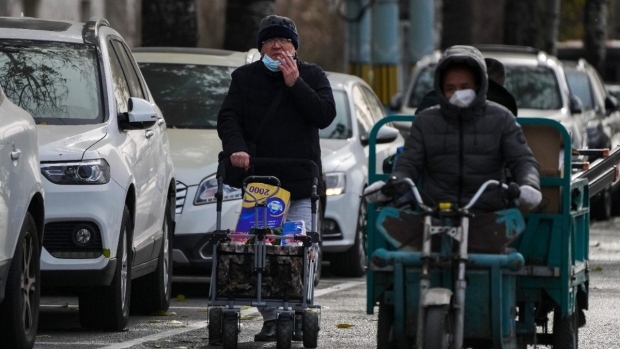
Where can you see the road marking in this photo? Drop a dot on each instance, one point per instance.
(194, 325)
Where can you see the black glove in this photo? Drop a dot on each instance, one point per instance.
(395, 186)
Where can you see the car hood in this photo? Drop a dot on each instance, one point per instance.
(67, 142)
(554, 114)
(336, 154)
(194, 153)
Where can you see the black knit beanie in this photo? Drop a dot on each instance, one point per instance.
(276, 27)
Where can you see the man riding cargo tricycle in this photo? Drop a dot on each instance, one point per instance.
(445, 275)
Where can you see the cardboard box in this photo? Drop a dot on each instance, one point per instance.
(277, 207)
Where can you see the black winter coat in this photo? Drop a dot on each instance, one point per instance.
(455, 150)
(292, 132)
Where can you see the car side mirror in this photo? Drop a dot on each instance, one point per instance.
(386, 134)
(396, 102)
(611, 104)
(575, 105)
(141, 112)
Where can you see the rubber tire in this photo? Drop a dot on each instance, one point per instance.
(19, 311)
(566, 331)
(107, 307)
(230, 332)
(310, 321)
(352, 263)
(385, 327)
(438, 329)
(602, 206)
(151, 293)
(284, 332)
(214, 328)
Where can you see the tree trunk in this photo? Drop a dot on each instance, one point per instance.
(124, 16)
(169, 23)
(532, 23)
(242, 20)
(549, 25)
(457, 23)
(211, 17)
(518, 30)
(595, 32)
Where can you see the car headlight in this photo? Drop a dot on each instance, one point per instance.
(335, 184)
(208, 188)
(82, 172)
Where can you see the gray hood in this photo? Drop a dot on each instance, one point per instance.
(470, 56)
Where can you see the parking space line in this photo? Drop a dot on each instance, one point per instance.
(194, 325)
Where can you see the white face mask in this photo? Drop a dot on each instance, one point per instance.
(463, 98)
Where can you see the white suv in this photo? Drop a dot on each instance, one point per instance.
(534, 78)
(189, 84)
(21, 226)
(108, 175)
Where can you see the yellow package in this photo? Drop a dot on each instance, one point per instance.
(276, 209)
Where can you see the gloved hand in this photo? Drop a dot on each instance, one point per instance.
(395, 186)
(373, 193)
(530, 197)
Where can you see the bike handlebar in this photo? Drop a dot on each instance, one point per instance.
(513, 191)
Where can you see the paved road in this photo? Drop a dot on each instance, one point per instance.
(345, 323)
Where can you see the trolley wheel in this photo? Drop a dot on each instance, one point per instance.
(566, 330)
(311, 328)
(385, 327)
(438, 327)
(284, 332)
(230, 332)
(215, 325)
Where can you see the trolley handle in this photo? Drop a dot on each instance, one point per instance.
(314, 169)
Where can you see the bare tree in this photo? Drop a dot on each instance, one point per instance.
(595, 32)
(242, 20)
(169, 23)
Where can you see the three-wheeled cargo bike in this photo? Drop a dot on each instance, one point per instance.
(264, 274)
(534, 293)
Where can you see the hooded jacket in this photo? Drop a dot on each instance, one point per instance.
(455, 150)
(291, 133)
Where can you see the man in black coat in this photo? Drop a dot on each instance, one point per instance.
(278, 104)
(496, 91)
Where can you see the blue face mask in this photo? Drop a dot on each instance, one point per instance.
(270, 63)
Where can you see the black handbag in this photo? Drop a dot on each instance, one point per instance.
(234, 176)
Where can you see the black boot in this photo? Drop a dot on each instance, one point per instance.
(267, 333)
(298, 332)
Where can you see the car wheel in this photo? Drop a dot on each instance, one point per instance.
(151, 293)
(108, 307)
(352, 263)
(19, 312)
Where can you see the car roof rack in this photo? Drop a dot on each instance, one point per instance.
(90, 32)
(507, 48)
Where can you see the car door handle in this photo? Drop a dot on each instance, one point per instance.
(15, 154)
(149, 133)
(160, 121)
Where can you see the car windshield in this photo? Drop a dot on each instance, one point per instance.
(56, 82)
(532, 87)
(188, 95)
(340, 128)
(579, 85)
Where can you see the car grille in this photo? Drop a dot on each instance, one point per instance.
(58, 240)
(181, 195)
